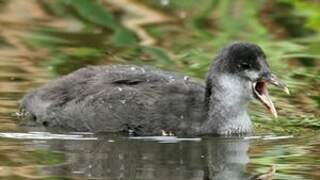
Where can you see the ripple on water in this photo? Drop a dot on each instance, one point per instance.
(47, 136)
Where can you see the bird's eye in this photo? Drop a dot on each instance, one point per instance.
(245, 66)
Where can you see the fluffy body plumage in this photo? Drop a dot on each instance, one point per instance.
(142, 100)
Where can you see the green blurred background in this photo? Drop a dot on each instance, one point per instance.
(60, 36)
(44, 39)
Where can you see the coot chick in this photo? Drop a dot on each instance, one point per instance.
(147, 101)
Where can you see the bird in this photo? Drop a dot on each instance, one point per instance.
(146, 101)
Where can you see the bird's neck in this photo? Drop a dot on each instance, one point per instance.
(227, 98)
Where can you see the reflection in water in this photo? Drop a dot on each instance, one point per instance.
(227, 158)
(120, 158)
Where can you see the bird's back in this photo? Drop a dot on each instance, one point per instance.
(142, 100)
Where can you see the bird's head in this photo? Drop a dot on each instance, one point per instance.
(247, 63)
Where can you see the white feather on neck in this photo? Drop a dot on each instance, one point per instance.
(230, 116)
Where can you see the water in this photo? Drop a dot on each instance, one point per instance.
(77, 155)
(41, 41)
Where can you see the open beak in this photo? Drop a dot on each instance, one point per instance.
(261, 92)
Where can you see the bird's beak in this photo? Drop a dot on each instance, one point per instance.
(277, 82)
(261, 92)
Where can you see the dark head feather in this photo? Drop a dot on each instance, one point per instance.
(238, 57)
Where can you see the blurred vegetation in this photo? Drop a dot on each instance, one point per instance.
(183, 35)
(97, 32)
